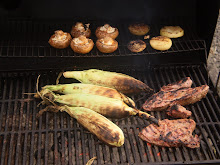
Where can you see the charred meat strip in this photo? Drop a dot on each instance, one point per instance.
(178, 111)
(163, 99)
(171, 133)
(184, 83)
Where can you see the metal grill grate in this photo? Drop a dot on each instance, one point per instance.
(30, 39)
(56, 138)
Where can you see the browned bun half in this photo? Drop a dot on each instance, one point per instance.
(161, 43)
(172, 31)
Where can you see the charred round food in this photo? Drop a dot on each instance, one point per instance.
(136, 46)
(139, 29)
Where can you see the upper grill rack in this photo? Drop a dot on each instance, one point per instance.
(30, 39)
(56, 138)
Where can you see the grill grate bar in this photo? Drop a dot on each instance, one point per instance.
(211, 100)
(13, 129)
(30, 83)
(184, 73)
(63, 161)
(10, 149)
(46, 137)
(39, 138)
(5, 153)
(3, 104)
(210, 107)
(56, 153)
(196, 104)
(27, 121)
(70, 154)
(83, 146)
(213, 141)
(210, 150)
(131, 145)
(76, 144)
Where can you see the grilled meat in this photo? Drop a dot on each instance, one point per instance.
(171, 133)
(178, 111)
(162, 99)
(184, 83)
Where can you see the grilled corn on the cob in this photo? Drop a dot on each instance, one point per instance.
(89, 89)
(109, 107)
(103, 128)
(121, 82)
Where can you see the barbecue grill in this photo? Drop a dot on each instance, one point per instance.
(56, 138)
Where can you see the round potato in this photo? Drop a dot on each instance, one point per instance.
(81, 44)
(139, 29)
(107, 45)
(161, 43)
(60, 39)
(172, 31)
(106, 31)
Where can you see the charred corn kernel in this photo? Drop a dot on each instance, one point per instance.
(121, 82)
(89, 89)
(104, 129)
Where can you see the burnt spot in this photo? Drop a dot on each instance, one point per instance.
(127, 82)
(204, 86)
(174, 107)
(185, 79)
(75, 87)
(98, 92)
(139, 42)
(161, 94)
(99, 82)
(109, 93)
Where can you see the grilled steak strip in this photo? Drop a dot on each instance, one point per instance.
(171, 133)
(163, 99)
(184, 83)
(178, 111)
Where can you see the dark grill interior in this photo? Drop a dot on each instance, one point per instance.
(56, 138)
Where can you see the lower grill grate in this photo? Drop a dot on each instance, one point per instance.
(56, 138)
